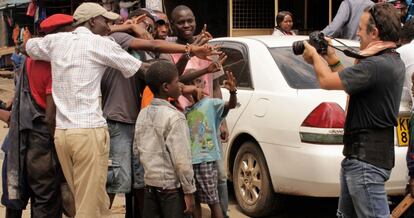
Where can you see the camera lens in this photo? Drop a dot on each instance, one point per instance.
(298, 47)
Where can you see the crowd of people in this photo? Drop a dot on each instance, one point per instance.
(104, 107)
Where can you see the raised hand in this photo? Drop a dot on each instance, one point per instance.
(140, 32)
(200, 40)
(138, 19)
(217, 65)
(206, 33)
(205, 52)
(230, 82)
(203, 37)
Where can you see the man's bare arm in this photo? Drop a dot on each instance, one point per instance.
(162, 46)
(51, 114)
(5, 116)
(327, 79)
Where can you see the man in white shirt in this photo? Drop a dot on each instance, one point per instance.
(79, 60)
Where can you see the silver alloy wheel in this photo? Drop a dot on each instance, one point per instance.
(249, 179)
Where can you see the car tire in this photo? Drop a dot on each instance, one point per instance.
(251, 181)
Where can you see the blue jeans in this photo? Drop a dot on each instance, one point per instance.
(362, 190)
(120, 152)
(137, 173)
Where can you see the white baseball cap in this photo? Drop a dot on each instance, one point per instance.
(89, 10)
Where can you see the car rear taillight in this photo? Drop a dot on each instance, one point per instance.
(324, 125)
(326, 115)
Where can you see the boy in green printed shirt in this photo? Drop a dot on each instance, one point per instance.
(204, 118)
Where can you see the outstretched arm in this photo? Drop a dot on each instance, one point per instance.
(213, 67)
(131, 26)
(162, 46)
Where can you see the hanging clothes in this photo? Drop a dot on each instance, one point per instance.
(3, 30)
(16, 33)
(31, 10)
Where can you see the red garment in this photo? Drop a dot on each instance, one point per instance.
(39, 74)
(31, 9)
(16, 33)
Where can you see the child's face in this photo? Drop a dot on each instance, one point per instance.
(174, 88)
(199, 83)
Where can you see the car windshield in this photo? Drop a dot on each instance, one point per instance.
(298, 74)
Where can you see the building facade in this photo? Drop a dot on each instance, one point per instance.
(253, 17)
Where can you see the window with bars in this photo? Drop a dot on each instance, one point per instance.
(252, 14)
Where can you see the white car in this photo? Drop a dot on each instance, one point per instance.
(286, 133)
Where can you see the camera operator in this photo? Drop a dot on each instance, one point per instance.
(374, 85)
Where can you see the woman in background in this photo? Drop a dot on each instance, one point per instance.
(284, 24)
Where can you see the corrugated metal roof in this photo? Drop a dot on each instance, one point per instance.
(11, 3)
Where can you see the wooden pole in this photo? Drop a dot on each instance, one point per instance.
(330, 11)
(276, 9)
(402, 206)
(306, 15)
(230, 17)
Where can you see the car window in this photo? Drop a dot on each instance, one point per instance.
(238, 63)
(297, 73)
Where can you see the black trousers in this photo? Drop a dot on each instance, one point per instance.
(43, 175)
(163, 204)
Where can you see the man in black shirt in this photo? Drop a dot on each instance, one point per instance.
(374, 85)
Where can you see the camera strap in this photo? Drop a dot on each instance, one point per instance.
(350, 52)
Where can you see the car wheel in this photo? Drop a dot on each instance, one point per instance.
(252, 185)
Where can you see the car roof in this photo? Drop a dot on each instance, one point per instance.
(282, 41)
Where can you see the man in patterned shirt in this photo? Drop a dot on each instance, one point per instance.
(79, 60)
